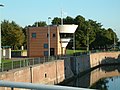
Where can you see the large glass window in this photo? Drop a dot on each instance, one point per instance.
(33, 35)
(45, 53)
(66, 35)
(45, 45)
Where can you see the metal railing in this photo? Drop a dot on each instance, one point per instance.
(18, 63)
(93, 51)
(31, 86)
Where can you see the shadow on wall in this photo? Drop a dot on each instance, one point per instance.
(110, 68)
(76, 64)
(91, 77)
(72, 66)
(112, 64)
(68, 68)
(83, 63)
(110, 60)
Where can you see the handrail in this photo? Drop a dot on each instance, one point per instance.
(23, 85)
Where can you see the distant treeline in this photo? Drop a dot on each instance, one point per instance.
(88, 32)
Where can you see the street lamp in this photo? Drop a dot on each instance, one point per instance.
(88, 40)
(114, 41)
(1, 5)
(74, 41)
(49, 36)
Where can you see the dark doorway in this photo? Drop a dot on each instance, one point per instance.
(51, 51)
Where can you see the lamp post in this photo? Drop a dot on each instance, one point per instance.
(49, 36)
(1, 5)
(61, 17)
(88, 40)
(114, 41)
(74, 41)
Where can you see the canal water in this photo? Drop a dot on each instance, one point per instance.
(103, 78)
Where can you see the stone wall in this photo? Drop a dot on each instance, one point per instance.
(47, 73)
(97, 58)
(57, 71)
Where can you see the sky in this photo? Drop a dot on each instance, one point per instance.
(26, 12)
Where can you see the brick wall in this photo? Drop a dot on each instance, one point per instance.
(97, 58)
(36, 45)
(47, 73)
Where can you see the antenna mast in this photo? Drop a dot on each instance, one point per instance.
(61, 17)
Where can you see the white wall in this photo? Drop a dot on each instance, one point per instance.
(6, 53)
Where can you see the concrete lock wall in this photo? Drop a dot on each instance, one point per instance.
(68, 68)
(82, 63)
(85, 62)
(57, 71)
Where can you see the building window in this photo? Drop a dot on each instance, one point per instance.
(33, 35)
(54, 35)
(66, 35)
(47, 35)
(45, 53)
(45, 45)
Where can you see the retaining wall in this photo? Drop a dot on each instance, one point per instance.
(98, 58)
(57, 71)
(84, 62)
(47, 73)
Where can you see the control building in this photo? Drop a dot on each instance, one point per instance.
(39, 43)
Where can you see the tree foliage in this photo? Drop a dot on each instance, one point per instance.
(99, 37)
(56, 21)
(39, 24)
(12, 34)
(89, 29)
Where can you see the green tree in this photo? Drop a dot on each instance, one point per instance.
(86, 35)
(56, 21)
(12, 34)
(88, 32)
(68, 20)
(25, 34)
(39, 24)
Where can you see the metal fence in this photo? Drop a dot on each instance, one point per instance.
(18, 63)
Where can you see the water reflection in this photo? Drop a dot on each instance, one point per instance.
(111, 83)
(111, 68)
(100, 78)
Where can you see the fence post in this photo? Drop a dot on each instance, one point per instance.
(2, 66)
(28, 62)
(20, 63)
(39, 60)
(33, 61)
(44, 59)
(12, 64)
(24, 63)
